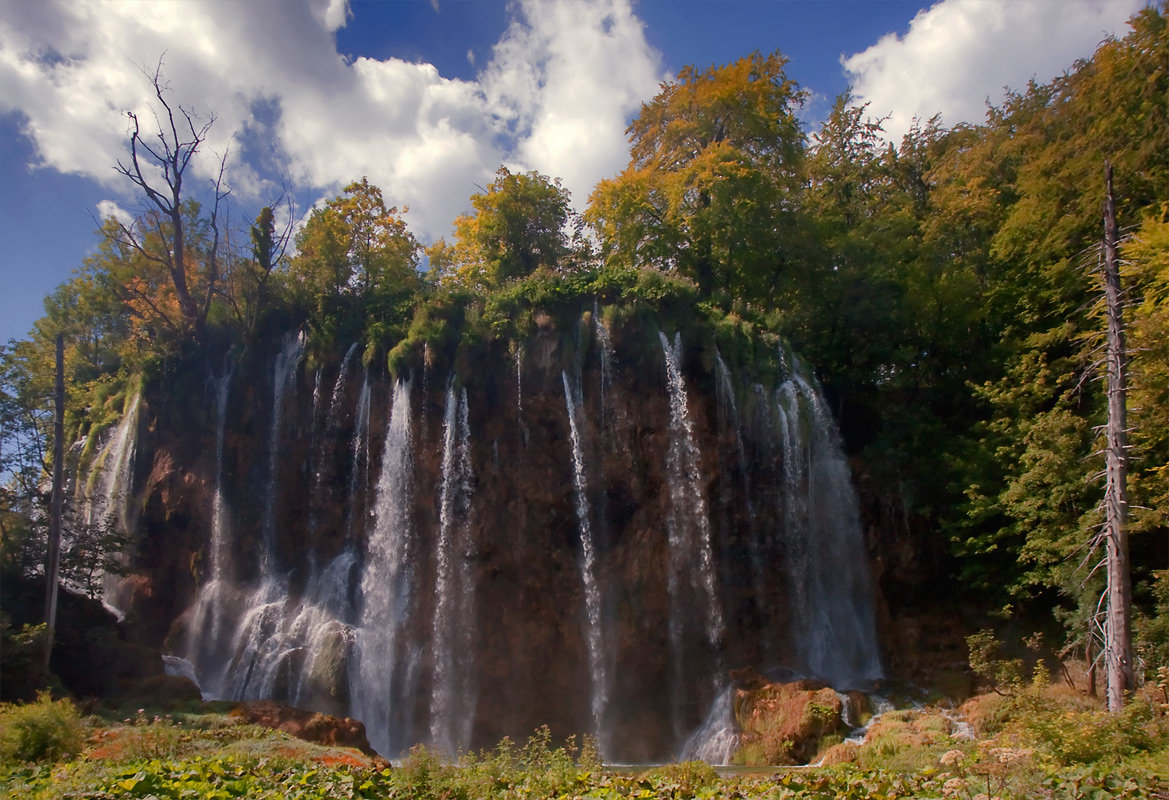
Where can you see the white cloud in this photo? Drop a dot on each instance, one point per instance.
(333, 14)
(564, 73)
(958, 54)
(554, 95)
(108, 208)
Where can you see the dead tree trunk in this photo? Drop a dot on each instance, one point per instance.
(53, 567)
(1118, 638)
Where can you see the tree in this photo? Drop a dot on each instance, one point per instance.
(1027, 184)
(519, 226)
(249, 285)
(158, 169)
(144, 283)
(353, 252)
(712, 186)
(1118, 639)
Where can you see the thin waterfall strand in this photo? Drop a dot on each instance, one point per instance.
(594, 632)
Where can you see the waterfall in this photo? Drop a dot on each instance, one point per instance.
(359, 583)
(688, 522)
(607, 357)
(105, 506)
(835, 629)
(211, 600)
(282, 647)
(107, 493)
(359, 473)
(728, 409)
(717, 738)
(323, 446)
(594, 634)
(381, 691)
(313, 427)
(220, 531)
(283, 378)
(332, 421)
(519, 382)
(453, 691)
(691, 569)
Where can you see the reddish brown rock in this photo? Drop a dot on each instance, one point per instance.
(308, 725)
(783, 723)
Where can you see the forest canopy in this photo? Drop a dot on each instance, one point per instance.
(944, 288)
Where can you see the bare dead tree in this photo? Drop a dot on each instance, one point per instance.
(53, 561)
(1118, 636)
(179, 137)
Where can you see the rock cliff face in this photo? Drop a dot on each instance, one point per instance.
(587, 529)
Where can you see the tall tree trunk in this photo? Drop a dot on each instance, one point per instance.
(53, 567)
(1118, 638)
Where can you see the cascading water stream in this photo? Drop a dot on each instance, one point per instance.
(607, 359)
(594, 631)
(383, 685)
(519, 383)
(688, 524)
(831, 585)
(717, 737)
(359, 472)
(376, 616)
(107, 498)
(210, 604)
(104, 499)
(260, 642)
(453, 690)
(220, 526)
(283, 379)
(326, 433)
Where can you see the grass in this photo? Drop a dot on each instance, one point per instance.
(1044, 742)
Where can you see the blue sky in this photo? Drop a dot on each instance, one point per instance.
(428, 98)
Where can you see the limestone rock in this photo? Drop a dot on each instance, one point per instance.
(308, 725)
(783, 723)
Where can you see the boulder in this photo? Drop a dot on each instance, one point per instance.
(311, 726)
(784, 723)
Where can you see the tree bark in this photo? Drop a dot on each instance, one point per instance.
(1118, 638)
(53, 567)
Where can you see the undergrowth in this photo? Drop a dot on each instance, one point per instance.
(1046, 744)
(44, 730)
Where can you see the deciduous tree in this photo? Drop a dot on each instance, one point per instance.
(157, 166)
(712, 187)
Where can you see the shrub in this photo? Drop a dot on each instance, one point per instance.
(1072, 735)
(44, 730)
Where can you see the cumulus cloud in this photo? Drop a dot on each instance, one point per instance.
(958, 54)
(107, 209)
(554, 96)
(560, 76)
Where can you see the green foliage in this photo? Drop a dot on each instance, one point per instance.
(535, 769)
(518, 228)
(1087, 736)
(44, 730)
(24, 653)
(710, 188)
(1003, 675)
(212, 755)
(1146, 254)
(905, 741)
(1152, 628)
(356, 265)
